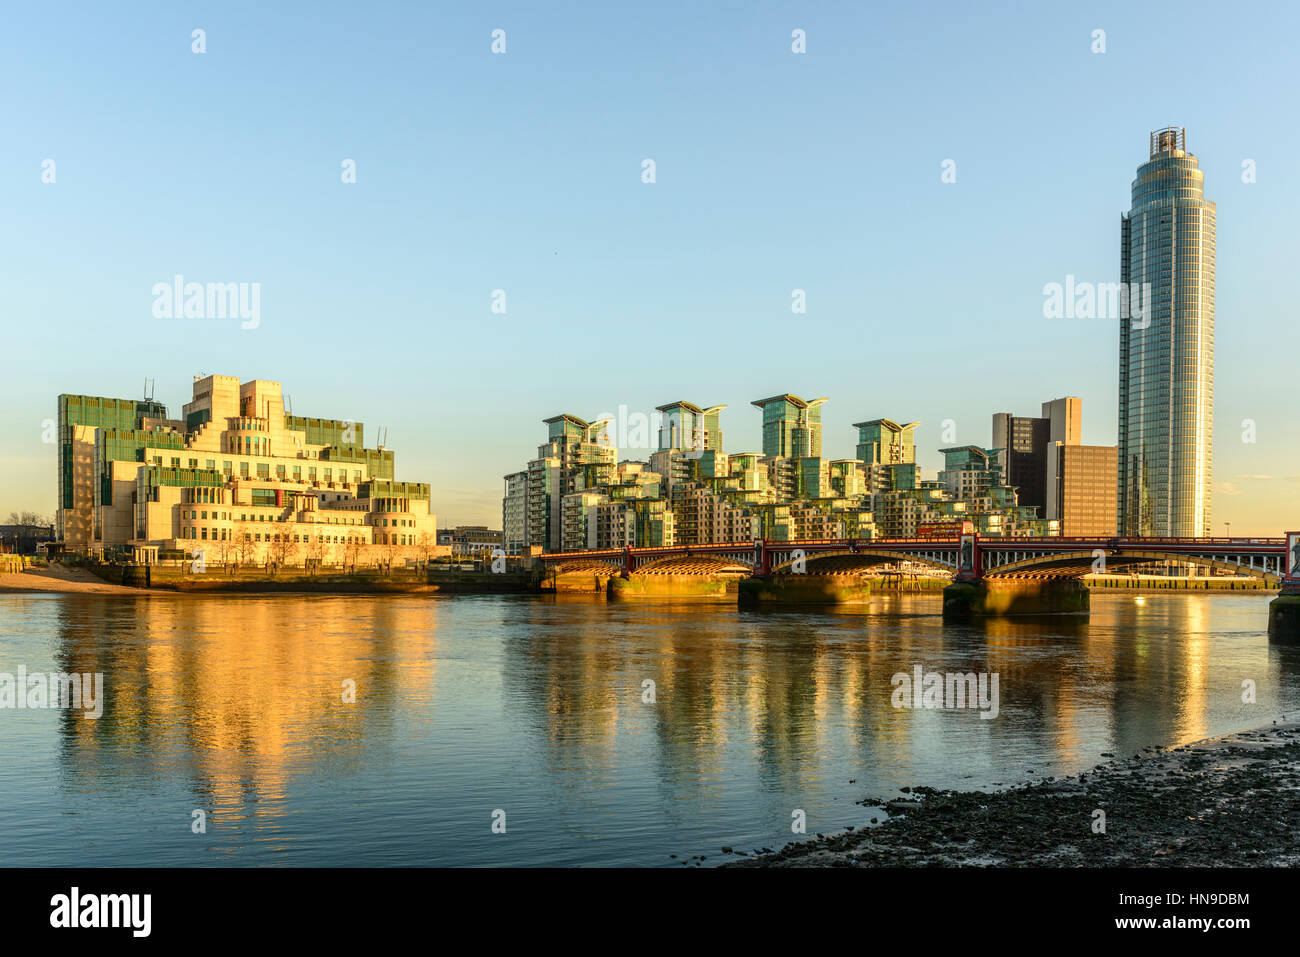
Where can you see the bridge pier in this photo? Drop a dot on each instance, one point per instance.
(576, 583)
(1284, 615)
(804, 590)
(1015, 596)
(685, 587)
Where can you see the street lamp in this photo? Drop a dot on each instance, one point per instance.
(1228, 526)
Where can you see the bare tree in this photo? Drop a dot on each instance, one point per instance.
(277, 552)
(29, 519)
(241, 544)
(426, 545)
(315, 550)
(351, 551)
(283, 547)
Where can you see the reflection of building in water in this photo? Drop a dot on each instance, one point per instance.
(771, 699)
(250, 691)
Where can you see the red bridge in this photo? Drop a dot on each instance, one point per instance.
(968, 558)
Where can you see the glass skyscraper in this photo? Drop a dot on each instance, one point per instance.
(1166, 347)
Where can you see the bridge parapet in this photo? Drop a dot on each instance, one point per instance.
(969, 557)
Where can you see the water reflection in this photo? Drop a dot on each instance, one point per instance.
(464, 705)
(237, 696)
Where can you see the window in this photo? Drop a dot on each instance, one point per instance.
(225, 467)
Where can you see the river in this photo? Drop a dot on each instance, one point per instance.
(535, 713)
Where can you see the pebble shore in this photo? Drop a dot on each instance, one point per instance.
(1229, 801)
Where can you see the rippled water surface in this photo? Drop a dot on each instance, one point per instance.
(469, 705)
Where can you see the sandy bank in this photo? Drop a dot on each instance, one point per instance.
(58, 578)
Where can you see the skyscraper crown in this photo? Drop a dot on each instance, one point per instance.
(1171, 139)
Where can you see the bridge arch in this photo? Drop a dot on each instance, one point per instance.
(704, 564)
(1080, 564)
(848, 561)
(579, 565)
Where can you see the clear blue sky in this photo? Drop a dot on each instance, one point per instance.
(522, 172)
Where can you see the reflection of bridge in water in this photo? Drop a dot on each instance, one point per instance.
(990, 575)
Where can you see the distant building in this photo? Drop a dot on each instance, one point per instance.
(514, 513)
(576, 456)
(475, 540)
(1049, 467)
(23, 539)
(1026, 440)
(792, 427)
(1081, 488)
(687, 426)
(887, 451)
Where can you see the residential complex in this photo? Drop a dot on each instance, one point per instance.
(234, 477)
(576, 495)
(1166, 349)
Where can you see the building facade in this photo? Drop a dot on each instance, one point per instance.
(514, 513)
(792, 427)
(234, 479)
(1166, 346)
(1081, 483)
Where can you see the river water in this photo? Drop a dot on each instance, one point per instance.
(473, 709)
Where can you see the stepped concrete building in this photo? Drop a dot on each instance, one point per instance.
(234, 478)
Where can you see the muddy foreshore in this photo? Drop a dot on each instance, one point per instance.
(1229, 801)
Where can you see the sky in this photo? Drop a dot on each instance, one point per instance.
(524, 172)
